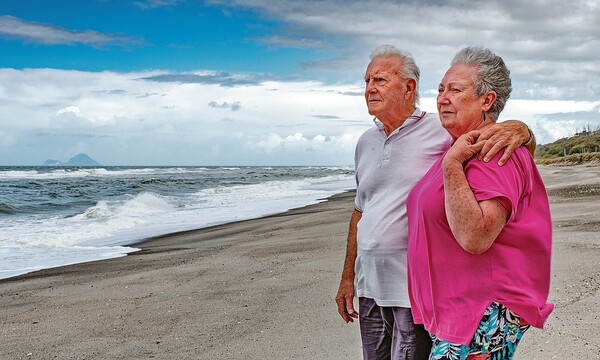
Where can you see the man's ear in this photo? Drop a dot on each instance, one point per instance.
(411, 88)
(489, 99)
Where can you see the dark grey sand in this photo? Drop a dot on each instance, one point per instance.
(265, 288)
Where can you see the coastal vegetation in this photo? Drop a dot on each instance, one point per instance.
(581, 148)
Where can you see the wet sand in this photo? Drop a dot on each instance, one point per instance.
(265, 288)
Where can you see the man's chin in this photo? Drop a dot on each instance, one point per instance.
(373, 110)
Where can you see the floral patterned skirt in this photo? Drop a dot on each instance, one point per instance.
(496, 338)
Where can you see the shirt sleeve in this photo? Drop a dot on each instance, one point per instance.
(506, 183)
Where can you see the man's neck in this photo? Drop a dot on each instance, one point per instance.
(393, 122)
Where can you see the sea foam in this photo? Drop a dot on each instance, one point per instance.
(131, 204)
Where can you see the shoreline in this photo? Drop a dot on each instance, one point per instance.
(265, 288)
(214, 293)
(124, 245)
(94, 214)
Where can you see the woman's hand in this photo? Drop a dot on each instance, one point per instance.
(464, 148)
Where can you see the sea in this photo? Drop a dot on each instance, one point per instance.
(54, 216)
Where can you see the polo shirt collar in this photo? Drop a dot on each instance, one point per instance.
(417, 115)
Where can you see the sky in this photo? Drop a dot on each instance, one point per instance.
(262, 82)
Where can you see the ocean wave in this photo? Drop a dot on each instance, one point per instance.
(78, 172)
(141, 205)
(61, 215)
(7, 209)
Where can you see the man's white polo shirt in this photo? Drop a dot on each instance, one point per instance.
(387, 168)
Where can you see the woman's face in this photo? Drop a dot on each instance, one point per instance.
(459, 108)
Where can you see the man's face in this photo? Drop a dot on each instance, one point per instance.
(385, 89)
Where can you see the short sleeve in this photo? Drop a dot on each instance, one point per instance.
(505, 183)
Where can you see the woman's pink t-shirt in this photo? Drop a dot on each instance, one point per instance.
(450, 288)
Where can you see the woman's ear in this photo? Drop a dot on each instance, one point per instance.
(489, 99)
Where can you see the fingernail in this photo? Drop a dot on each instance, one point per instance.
(485, 159)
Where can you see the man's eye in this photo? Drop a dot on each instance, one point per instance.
(377, 80)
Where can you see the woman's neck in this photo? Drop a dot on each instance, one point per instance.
(480, 126)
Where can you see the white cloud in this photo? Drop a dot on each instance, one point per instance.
(50, 34)
(552, 120)
(69, 110)
(120, 118)
(549, 119)
(153, 4)
(67, 117)
(551, 47)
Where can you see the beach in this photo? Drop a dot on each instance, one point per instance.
(265, 289)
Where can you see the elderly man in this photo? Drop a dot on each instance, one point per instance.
(390, 159)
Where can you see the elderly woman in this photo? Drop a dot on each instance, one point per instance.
(480, 235)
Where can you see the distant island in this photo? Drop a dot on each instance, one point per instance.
(77, 160)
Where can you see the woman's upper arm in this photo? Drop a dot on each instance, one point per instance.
(495, 216)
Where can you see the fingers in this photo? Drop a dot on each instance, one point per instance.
(464, 148)
(488, 140)
(346, 308)
(507, 153)
(494, 145)
(489, 150)
(342, 309)
(507, 135)
(485, 149)
(350, 309)
(477, 146)
(473, 136)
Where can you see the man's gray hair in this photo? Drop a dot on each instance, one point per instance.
(408, 70)
(493, 75)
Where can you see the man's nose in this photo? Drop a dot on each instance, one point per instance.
(371, 88)
(442, 98)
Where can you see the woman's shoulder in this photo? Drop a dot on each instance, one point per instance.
(521, 157)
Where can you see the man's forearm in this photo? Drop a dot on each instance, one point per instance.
(351, 247)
